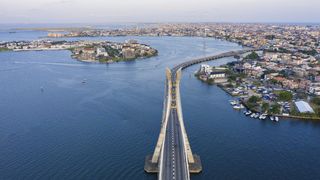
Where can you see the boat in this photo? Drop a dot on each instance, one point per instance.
(233, 102)
(271, 118)
(276, 118)
(238, 106)
(263, 116)
(247, 113)
(257, 115)
(252, 115)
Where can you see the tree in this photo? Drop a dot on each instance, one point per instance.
(254, 99)
(265, 107)
(252, 56)
(316, 100)
(270, 37)
(275, 109)
(273, 81)
(285, 96)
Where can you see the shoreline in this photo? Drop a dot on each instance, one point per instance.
(87, 51)
(175, 36)
(290, 117)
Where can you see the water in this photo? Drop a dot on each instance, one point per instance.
(104, 128)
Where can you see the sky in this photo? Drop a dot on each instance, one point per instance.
(111, 11)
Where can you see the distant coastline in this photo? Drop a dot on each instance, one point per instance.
(87, 51)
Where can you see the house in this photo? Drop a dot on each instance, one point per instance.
(314, 88)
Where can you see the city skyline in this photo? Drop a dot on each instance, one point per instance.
(98, 11)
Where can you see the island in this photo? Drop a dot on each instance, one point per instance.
(88, 51)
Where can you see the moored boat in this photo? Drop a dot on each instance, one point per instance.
(247, 113)
(271, 118)
(263, 116)
(233, 102)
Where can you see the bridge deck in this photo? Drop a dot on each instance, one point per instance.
(174, 162)
(174, 165)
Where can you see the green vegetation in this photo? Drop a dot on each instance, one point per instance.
(112, 52)
(273, 81)
(4, 49)
(270, 37)
(275, 109)
(229, 85)
(257, 83)
(253, 101)
(252, 56)
(312, 52)
(285, 95)
(265, 107)
(316, 101)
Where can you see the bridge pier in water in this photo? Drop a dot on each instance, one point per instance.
(177, 144)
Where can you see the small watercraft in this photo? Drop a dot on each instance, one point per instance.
(263, 116)
(276, 119)
(271, 118)
(257, 115)
(238, 106)
(247, 113)
(233, 102)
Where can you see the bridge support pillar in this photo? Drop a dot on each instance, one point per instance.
(194, 168)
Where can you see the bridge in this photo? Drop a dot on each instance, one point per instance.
(172, 158)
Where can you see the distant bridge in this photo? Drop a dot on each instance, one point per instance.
(172, 158)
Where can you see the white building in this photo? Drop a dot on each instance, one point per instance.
(303, 107)
(204, 68)
(314, 88)
(217, 74)
(102, 52)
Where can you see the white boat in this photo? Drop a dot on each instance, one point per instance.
(253, 114)
(233, 102)
(257, 115)
(238, 106)
(271, 118)
(276, 119)
(247, 113)
(263, 116)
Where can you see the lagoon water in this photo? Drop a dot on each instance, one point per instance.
(104, 128)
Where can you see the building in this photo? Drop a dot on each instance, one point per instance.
(217, 74)
(102, 52)
(205, 69)
(314, 88)
(303, 107)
